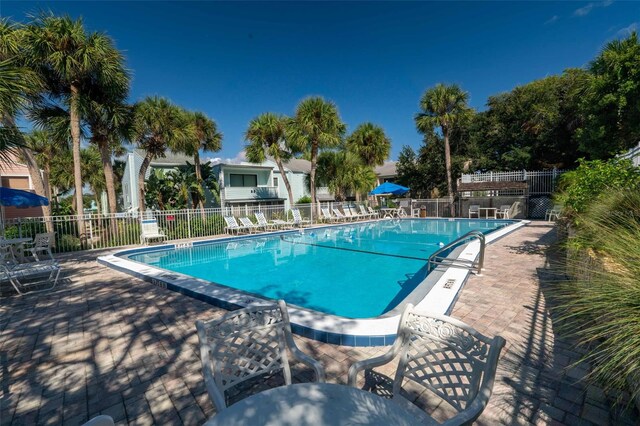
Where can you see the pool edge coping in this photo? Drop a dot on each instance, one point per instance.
(377, 331)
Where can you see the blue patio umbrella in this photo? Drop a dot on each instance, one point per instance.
(18, 198)
(389, 188)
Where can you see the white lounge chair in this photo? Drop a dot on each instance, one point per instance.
(268, 225)
(41, 245)
(29, 275)
(232, 225)
(445, 356)
(326, 215)
(503, 211)
(245, 345)
(150, 231)
(356, 214)
(339, 215)
(474, 210)
(297, 218)
(553, 213)
(348, 213)
(246, 223)
(373, 212)
(364, 212)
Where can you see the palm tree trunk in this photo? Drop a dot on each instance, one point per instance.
(105, 155)
(141, 176)
(34, 170)
(312, 174)
(196, 163)
(285, 180)
(77, 171)
(447, 160)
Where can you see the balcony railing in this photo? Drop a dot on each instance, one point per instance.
(250, 193)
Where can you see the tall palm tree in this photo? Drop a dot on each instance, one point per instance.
(266, 134)
(443, 106)
(204, 137)
(61, 47)
(46, 147)
(158, 125)
(344, 172)
(316, 125)
(370, 143)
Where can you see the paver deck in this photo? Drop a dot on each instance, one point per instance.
(104, 342)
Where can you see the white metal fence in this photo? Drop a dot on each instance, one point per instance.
(540, 182)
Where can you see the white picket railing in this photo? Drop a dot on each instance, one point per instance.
(540, 181)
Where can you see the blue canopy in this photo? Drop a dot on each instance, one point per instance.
(389, 188)
(17, 198)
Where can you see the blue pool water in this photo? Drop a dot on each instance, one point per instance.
(355, 271)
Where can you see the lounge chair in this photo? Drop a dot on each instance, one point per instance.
(41, 245)
(150, 231)
(553, 213)
(297, 218)
(373, 212)
(474, 210)
(445, 356)
(355, 213)
(339, 215)
(364, 212)
(268, 225)
(503, 211)
(246, 223)
(26, 276)
(245, 345)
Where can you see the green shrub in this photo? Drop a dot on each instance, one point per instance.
(600, 304)
(582, 186)
(66, 242)
(304, 200)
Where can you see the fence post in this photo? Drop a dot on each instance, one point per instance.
(91, 233)
(312, 205)
(20, 227)
(189, 223)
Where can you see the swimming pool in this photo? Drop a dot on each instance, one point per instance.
(353, 271)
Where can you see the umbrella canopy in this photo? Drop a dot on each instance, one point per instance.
(389, 188)
(17, 198)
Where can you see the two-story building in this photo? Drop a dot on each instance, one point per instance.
(15, 175)
(386, 173)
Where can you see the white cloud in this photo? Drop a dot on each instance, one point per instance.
(585, 10)
(626, 31)
(551, 20)
(239, 158)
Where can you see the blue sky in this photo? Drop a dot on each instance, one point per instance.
(235, 60)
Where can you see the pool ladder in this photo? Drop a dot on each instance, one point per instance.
(472, 265)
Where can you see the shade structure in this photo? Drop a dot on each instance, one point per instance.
(389, 188)
(18, 198)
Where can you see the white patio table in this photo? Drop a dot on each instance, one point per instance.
(489, 211)
(389, 213)
(318, 404)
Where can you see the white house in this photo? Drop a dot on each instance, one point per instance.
(634, 155)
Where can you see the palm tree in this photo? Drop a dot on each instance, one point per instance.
(370, 143)
(158, 125)
(443, 107)
(204, 137)
(266, 134)
(61, 47)
(46, 147)
(344, 173)
(316, 125)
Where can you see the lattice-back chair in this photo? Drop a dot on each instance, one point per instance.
(41, 245)
(444, 355)
(246, 344)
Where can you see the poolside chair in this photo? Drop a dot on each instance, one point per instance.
(357, 214)
(232, 225)
(474, 210)
(349, 212)
(364, 212)
(24, 277)
(150, 231)
(268, 225)
(445, 356)
(41, 245)
(503, 211)
(373, 212)
(553, 213)
(297, 218)
(326, 215)
(246, 223)
(339, 215)
(246, 345)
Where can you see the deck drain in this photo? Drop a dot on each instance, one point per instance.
(449, 284)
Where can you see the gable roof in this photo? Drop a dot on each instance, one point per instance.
(170, 158)
(387, 169)
(298, 165)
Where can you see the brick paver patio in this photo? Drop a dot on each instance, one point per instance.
(104, 342)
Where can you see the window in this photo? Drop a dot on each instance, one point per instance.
(275, 182)
(243, 180)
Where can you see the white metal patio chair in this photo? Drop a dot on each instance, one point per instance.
(246, 222)
(373, 212)
(268, 225)
(503, 211)
(246, 345)
(41, 245)
(553, 213)
(447, 357)
(232, 225)
(297, 218)
(474, 210)
(29, 276)
(150, 231)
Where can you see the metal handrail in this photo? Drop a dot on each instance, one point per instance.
(433, 259)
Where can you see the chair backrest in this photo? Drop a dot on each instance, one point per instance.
(243, 345)
(363, 210)
(297, 217)
(371, 210)
(45, 240)
(353, 210)
(326, 213)
(448, 357)
(474, 208)
(261, 219)
(7, 257)
(338, 213)
(346, 212)
(505, 207)
(150, 227)
(514, 210)
(231, 222)
(245, 221)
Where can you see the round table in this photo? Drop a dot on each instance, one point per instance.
(317, 404)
